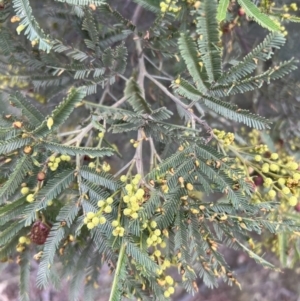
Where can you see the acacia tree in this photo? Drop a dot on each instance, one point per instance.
(75, 196)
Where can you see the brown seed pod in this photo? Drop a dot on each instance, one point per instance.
(41, 176)
(39, 232)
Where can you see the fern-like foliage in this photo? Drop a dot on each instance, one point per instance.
(107, 86)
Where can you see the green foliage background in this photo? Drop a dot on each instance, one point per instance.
(154, 89)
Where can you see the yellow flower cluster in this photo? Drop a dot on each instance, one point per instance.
(261, 148)
(54, 161)
(23, 241)
(292, 6)
(133, 198)
(118, 229)
(170, 6)
(168, 282)
(105, 205)
(280, 175)
(94, 219)
(226, 138)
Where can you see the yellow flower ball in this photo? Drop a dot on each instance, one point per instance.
(169, 280)
(30, 198)
(286, 190)
(265, 168)
(294, 166)
(296, 176)
(22, 240)
(90, 225)
(115, 223)
(92, 165)
(90, 215)
(102, 220)
(95, 220)
(129, 187)
(24, 190)
(123, 178)
(126, 199)
(134, 215)
(272, 194)
(293, 201)
(127, 211)
(258, 158)
(157, 253)
(135, 181)
(109, 201)
(274, 167)
(108, 209)
(274, 156)
(167, 294)
(153, 224)
(157, 232)
(101, 203)
(101, 135)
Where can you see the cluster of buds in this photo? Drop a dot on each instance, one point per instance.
(225, 138)
(291, 7)
(105, 166)
(169, 6)
(168, 283)
(118, 229)
(134, 196)
(280, 176)
(154, 238)
(23, 241)
(54, 161)
(93, 219)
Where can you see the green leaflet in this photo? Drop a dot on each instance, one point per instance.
(221, 107)
(13, 144)
(134, 96)
(13, 183)
(149, 5)
(51, 190)
(33, 30)
(189, 52)
(25, 275)
(222, 9)
(250, 61)
(142, 258)
(209, 39)
(74, 150)
(11, 231)
(100, 178)
(253, 11)
(83, 2)
(283, 247)
(61, 112)
(34, 116)
(56, 235)
(11, 206)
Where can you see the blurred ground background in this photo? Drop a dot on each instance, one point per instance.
(258, 284)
